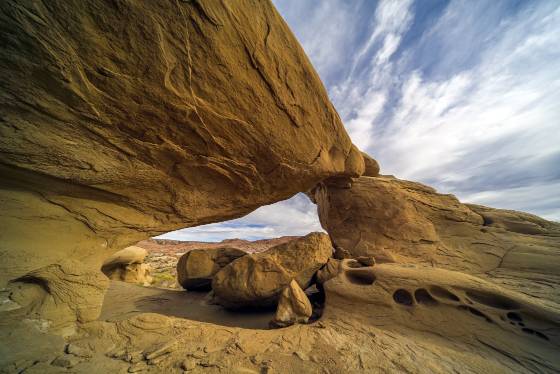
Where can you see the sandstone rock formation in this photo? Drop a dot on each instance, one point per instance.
(371, 166)
(442, 309)
(293, 306)
(258, 279)
(400, 221)
(124, 120)
(196, 268)
(55, 296)
(128, 265)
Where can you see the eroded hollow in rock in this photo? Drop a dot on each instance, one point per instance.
(535, 333)
(361, 277)
(492, 300)
(422, 296)
(403, 297)
(475, 312)
(516, 317)
(443, 293)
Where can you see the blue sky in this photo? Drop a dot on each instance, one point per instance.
(461, 95)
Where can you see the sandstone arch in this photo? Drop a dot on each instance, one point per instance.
(123, 120)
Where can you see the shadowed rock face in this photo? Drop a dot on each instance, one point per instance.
(123, 120)
(196, 268)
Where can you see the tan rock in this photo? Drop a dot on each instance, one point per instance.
(371, 166)
(293, 307)
(127, 265)
(329, 271)
(258, 279)
(59, 294)
(196, 268)
(366, 260)
(400, 221)
(131, 119)
(458, 308)
(127, 256)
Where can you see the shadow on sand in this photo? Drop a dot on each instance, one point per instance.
(124, 300)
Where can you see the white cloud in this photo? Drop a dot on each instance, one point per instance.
(509, 99)
(543, 198)
(295, 216)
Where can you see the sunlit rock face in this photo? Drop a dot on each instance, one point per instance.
(127, 265)
(258, 280)
(401, 221)
(441, 310)
(123, 120)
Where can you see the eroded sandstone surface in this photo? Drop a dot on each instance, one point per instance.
(122, 120)
(128, 265)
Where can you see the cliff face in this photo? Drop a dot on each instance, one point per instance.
(122, 120)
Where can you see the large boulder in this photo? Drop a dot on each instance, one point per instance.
(400, 221)
(127, 265)
(293, 307)
(258, 280)
(196, 268)
(371, 166)
(123, 120)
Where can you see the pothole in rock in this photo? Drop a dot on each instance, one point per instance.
(403, 297)
(361, 277)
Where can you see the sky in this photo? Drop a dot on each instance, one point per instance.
(461, 95)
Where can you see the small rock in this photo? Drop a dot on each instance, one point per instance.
(302, 356)
(138, 367)
(293, 307)
(161, 350)
(188, 364)
(66, 361)
(341, 253)
(329, 271)
(78, 351)
(244, 370)
(134, 357)
(266, 369)
(320, 325)
(366, 260)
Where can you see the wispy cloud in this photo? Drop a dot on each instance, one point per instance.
(296, 216)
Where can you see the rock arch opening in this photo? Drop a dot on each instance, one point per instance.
(233, 273)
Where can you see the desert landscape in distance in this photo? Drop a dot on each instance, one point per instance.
(122, 121)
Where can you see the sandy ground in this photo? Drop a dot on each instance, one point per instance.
(124, 300)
